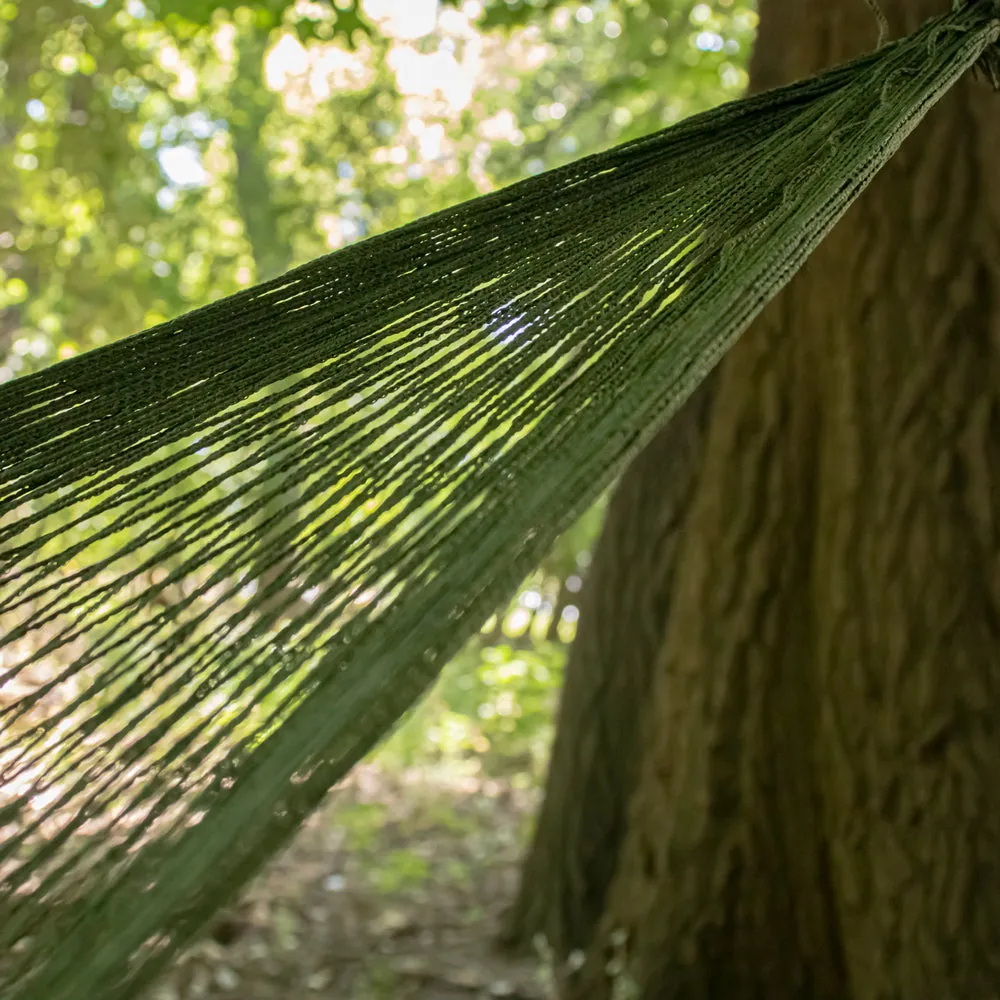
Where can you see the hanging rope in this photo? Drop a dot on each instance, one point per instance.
(881, 20)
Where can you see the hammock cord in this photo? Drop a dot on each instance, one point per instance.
(187, 664)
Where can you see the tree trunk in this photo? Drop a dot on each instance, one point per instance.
(595, 755)
(816, 812)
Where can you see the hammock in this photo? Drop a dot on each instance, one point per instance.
(237, 547)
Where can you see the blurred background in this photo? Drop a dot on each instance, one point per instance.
(157, 155)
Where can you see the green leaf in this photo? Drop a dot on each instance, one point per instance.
(269, 15)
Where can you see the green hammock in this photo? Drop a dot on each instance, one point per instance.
(235, 548)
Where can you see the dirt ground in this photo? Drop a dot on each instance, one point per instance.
(395, 889)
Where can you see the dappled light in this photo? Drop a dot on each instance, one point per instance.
(326, 524)
(228, 151)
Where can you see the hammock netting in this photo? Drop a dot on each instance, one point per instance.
(237, 547)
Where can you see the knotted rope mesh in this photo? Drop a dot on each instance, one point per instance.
(235, 548)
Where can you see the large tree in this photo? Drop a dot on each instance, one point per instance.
(815, 812)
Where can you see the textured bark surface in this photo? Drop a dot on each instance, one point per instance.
(595, 757)
(817, 812)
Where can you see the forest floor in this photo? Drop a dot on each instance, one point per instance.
(394, 889)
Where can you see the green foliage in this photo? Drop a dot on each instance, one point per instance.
(341, 22)
(157, 156)
(511, 13)
(381, 982)
(361, 823)
(493, 704)
(398, 871)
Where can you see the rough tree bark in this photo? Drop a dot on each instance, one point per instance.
(595, 756)
(816, 812)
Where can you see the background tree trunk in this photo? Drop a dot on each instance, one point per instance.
(595, 756)
(816, 814)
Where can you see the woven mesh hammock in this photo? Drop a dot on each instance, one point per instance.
(235, 548)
